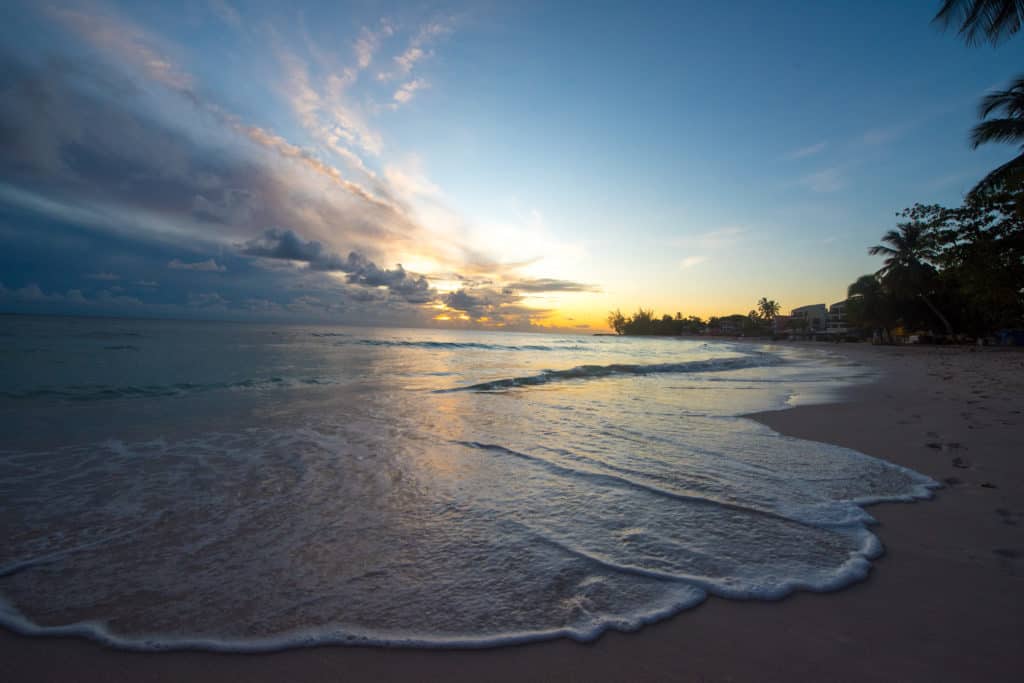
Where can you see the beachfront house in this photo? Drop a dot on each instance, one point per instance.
(837, 323)
(781, 325)
(809, 320)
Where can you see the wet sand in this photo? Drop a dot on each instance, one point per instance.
(945, 603)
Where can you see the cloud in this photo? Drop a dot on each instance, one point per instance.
(106, 139)
(808, 151)
(226, 13)
(286, 245)
(207, 300)
(417, 49)
(497, 307)
(369, 41)
(32, 293)
(539, 285)
(209, 266)
(826, 180)
(409, 180)
(128, 42)
(691, 261)
(882, 135)
(407, 90)
(130, 173)
(103, 276)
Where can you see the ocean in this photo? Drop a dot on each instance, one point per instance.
(247, 487)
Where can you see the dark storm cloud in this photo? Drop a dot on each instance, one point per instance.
(496, 305)
(82, 152)
(286, 245)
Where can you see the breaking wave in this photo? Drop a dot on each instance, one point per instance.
(106, 392)
(581, 372)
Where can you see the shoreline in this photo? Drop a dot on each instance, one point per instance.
(943, 603)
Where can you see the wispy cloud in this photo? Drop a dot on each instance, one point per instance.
(209, 266)
(883, 135)
(691, 261)
(417, 50)
(825, 180)
(369, 41)
(174, 182)
(544, 285)
(128, 42)
(226, 12)
(407, 90)
(808, 151)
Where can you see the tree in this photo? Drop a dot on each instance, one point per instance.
(993, 21)
(1008, 128)
(909, 252)
(868, 306)
(617, 321)
(982, 261)
(981, 20)
(768, 308)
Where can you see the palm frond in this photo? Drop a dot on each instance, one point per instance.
(997, 130)
(981, 20)
(1011, 100)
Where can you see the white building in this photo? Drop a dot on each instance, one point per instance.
(837, 319)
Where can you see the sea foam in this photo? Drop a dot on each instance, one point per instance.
(416, 501)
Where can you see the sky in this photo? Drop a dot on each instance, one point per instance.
(527, 166)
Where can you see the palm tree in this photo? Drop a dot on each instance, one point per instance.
(979, 20)
(909, 253)
(1009, 128)
(867, 305)
(768, 308)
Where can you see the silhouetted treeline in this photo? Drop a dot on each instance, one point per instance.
(953, 271)
(756, 323)
(645, 322)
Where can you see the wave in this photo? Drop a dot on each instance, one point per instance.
(105, 392)
(109, 334)
(686, 597)
(599, 371)
(459, 345)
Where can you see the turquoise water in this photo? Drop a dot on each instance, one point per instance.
(247, 487)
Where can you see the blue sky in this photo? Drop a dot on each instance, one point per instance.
(527, 166)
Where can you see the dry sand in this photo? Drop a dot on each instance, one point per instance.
(946, 602)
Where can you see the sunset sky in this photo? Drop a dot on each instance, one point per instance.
(527, 164)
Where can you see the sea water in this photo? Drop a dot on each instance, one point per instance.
(168, 484)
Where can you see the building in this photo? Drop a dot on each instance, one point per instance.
(837, 324)
(812, 319)
(781, 325)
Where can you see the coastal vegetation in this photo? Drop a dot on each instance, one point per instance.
(956, 272)
(756, 323)
(960, 270)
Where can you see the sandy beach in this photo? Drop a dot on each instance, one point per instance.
(946, 602)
